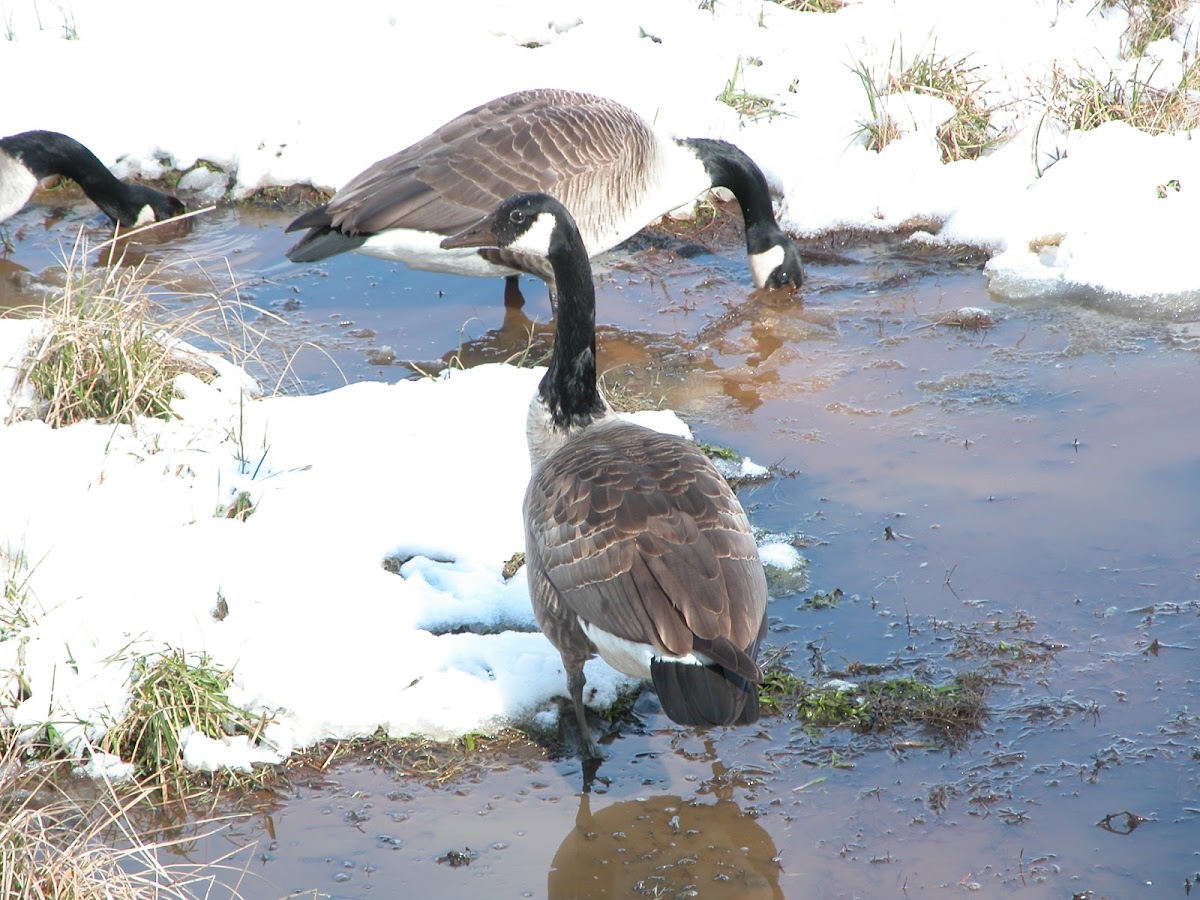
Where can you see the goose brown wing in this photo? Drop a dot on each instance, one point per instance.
(529, 141)
(639, 533)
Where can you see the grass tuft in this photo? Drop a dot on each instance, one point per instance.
(969, 132)
(1085, 101)
(748, 105)
(172, 693)
(878, 129)
(966, 135)
(1149, 21)
(116, 336)
(240, 508)
(102, 355)
(14, 600)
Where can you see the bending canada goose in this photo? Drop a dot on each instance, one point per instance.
(27, 158)
(604, 162)
(636, 547)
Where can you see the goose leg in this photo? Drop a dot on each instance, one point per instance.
(575, 682)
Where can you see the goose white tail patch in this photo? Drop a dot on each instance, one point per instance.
(630, 657)
(763, 264)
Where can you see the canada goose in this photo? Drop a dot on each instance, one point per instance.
(635, 545)
(27, 158)
(609, 166)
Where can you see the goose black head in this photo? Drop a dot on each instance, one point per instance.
(528, 223)
(779, 266)
(538, 225)
(141, 205)
(774, 258)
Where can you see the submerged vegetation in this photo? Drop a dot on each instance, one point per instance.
(952, 711)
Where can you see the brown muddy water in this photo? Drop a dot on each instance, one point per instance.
(1020, 500)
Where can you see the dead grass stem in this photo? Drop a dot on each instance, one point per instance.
(54, 846)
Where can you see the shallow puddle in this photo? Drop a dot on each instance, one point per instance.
(1021, 499)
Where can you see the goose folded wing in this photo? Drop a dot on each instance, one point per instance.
(452, 178)
(673, 566)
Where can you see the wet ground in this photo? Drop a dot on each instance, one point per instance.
(1020, 500)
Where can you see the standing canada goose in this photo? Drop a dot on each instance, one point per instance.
(636, 547)
(27, 158)
(606, 164)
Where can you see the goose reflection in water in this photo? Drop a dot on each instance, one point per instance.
(684, 365)
(667, 845)
(663, 846)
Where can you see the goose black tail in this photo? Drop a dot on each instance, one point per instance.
(322, 243)
(704, 695)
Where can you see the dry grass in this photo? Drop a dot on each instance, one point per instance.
(968, 133)
(117, 336)
(103, 354)
(436, 764)
(1149, 21)
(14, 598)
(878, 128)
(817, 6)
(54, 846)
(1085, 101)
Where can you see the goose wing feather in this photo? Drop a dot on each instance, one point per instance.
(639, 531)
(528, 141)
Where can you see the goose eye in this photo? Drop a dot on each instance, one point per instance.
(517, 217)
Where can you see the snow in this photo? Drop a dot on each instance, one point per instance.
(126, 557)
(780, 555)
(316, 98)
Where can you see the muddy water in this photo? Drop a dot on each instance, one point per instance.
(1020, 500)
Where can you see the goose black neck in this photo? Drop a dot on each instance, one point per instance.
(46, 153)
(569, 386)
(729, 167)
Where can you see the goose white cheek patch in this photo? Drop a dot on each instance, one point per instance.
(536, 239)
(763, 264)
